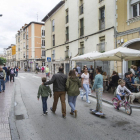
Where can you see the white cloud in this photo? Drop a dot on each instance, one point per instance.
(18, 12)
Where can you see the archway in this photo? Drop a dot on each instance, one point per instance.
(133, 44)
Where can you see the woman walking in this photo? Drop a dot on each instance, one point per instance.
(98, 86)
(73, 85)
(85, 83)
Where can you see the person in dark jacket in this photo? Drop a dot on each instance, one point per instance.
(8, 73)
(5, 68)
(114, 81)
(73, 84)
(2, 79)
(129, 84)
(59, 88)
(12, 74)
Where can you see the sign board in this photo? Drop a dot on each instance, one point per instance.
(49, 59)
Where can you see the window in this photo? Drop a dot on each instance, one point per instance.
(43, 53)
(67, 33)
(43, 42)
(24, 36)
(136, 10)
(67, 53)
(53, 55)
(43, 32)
(81, 8)
(53, 40)
(81, 27)
(19, 39)
(24, 55)
(24, 45)
(101, 46)
(102, 19)
(81, 49)
(53, 26)
(67, 16)
(100, 0)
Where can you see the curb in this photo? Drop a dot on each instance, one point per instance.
(108, 102)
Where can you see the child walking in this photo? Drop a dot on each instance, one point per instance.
(121, 91)
(44, 91)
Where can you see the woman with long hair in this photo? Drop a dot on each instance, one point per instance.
(85, 83)
(73, 85)
(98, 86)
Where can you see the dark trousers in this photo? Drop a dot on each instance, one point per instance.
(60, 95)
(44, 104)
(7, 77)
(12, 76)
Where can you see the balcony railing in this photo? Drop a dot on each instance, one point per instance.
(53, 42)
(81, 9)
(102, 24)
(67, 19)
(81, 51)
(67, 54)
(42, 47)
(43, 56)
(18, 49)
(53, 57)
(101, 47)
(27, 57)
(81, 31)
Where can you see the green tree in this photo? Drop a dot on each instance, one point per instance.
(2, 60)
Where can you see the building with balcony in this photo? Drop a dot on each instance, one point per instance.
(30, 42)
(91, 27)
(9, 56)
(56, 37)
(128, 29)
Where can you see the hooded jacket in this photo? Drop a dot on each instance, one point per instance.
(73, 85)
(44, 91)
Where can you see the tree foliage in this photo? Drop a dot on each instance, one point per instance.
(2, 60)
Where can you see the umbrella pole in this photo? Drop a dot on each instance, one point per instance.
(94, 68)
(122, 68)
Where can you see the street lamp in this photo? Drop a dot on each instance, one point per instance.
(0, 15)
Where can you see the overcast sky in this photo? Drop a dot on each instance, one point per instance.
(18, 12)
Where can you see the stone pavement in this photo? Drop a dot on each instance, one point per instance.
(5, 105)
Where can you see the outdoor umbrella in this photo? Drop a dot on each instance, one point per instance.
(119, 54)
(86, 57)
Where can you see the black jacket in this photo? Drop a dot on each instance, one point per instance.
(8, 72)
(115, 79)
(59, 82)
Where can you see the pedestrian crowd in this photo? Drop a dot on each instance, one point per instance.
(7, 74)
(71, 85)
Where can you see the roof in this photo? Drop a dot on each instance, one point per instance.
(34, 23)
(53, 10)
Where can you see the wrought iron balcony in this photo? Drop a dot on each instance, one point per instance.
(102, 24)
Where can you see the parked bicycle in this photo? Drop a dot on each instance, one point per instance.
(124, 103)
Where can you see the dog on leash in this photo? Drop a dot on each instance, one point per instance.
(133, 97)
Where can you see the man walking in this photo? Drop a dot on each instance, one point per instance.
(2, 79)
(59, 88)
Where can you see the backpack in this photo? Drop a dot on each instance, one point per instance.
(1, 75)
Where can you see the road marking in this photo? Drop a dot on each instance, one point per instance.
(22, 77)
(36, 76)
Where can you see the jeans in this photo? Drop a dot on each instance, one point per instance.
(44, 104)
(72, 102)
(17, 74)
(7, 77)
(86, 88)
(2, 82)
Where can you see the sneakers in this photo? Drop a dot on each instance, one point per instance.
(46, 112)
(88, 102)
(94, 111)
(52, 110)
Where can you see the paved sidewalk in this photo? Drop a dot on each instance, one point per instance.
(5, 105)
(107, 97)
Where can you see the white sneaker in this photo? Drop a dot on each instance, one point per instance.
(46, 112)
(89, 94)
(88, 102)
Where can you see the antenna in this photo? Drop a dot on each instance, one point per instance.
(37, 16)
